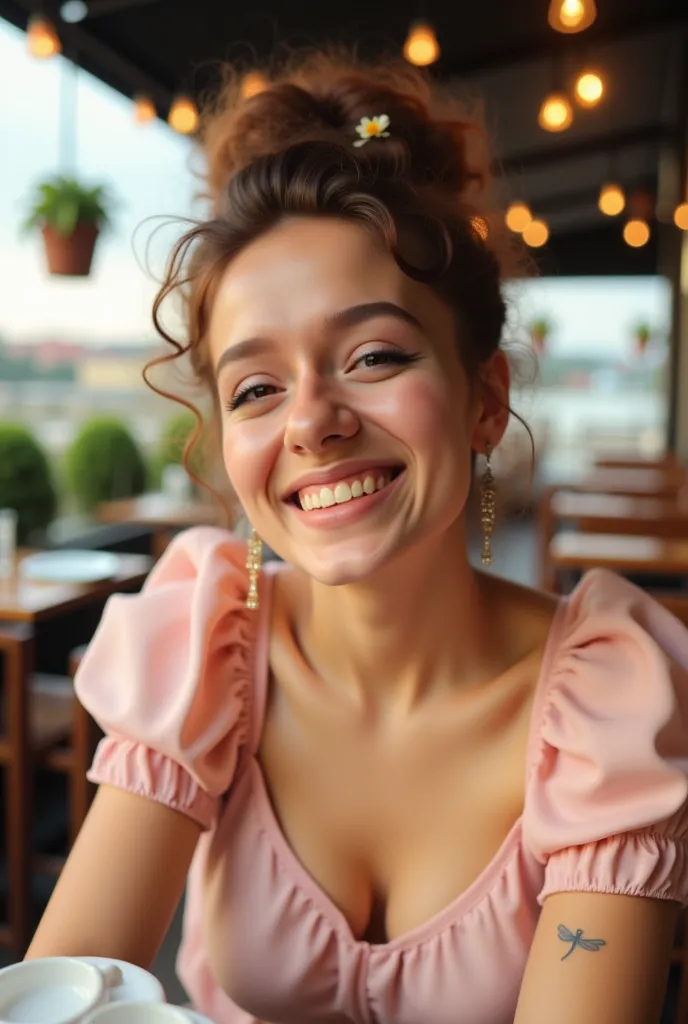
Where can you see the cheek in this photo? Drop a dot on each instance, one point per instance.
(249, 451)
(428, 411)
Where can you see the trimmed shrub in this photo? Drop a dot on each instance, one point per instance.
(26, 480)
(104, 462)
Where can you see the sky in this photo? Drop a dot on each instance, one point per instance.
(149, 170)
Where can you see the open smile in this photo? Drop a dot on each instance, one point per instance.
(347, 499)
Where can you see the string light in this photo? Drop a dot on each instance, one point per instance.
(636, 232)
(556, 113)
(612, 200)
(681, 216)
(518, 216)
(535, 234)
(421, 47)
(144, 110)
(41, 38)
(589, 89)
(183, 115)
(252, 84)
(480, 226)
(571, 15)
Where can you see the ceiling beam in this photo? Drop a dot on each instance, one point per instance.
(607, 142)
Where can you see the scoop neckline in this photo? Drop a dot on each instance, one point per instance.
(299, 874)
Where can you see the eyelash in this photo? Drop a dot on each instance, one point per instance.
(391, 355)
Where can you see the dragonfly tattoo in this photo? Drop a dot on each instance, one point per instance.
(592, 945)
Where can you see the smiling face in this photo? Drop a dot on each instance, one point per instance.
(348, 418)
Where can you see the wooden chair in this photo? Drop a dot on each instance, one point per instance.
(42, 726)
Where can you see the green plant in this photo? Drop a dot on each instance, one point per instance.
(61, 203)
(26, 480)
(642, 330)
(104, 462)
(175, 434)
(541, 327)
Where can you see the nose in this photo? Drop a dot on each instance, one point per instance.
(316, 417)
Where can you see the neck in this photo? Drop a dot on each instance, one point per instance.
(418, 625)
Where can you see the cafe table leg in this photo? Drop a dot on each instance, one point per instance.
(17, 645)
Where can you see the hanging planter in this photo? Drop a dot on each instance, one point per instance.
(70, 218)
(540, 330)
(642, 333)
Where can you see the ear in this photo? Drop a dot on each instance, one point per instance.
(494, 384)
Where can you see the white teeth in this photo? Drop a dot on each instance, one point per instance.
(342, 493)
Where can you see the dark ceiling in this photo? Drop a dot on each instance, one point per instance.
(499, 54)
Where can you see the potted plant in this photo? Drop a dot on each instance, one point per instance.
(70, 217)
(540, 329)
(642, 332)
(26, 481)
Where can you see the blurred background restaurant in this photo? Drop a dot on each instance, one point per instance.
(586, 104)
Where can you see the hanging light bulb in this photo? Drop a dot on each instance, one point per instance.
(556, 112)
(636, 232)
(517, 217)
(421, 47)
(571, 15)
(589, 89)
(183, 116)
(73, 11)
(252, 84)
(681, 216)
(612, 200)
(144, 109)
(535, 233)
(41, 38)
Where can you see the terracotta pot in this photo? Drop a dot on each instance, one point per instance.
(539, 338)
(71, 255)
(641, 341)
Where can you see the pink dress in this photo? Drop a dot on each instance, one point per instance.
(177, 677)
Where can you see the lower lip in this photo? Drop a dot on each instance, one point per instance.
(348, 512)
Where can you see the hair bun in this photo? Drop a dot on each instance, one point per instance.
(323, 99)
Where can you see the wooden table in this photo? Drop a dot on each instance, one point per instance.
(23, 604)
(652, 483)
(624, 554)
(622, 513)
(163, 514)
(633, 460)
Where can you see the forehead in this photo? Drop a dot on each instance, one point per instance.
(303, 271)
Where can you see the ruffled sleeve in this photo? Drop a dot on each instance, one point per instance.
(606, 805)
(167, 677)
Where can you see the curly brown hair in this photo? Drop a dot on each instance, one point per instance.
(288, 151)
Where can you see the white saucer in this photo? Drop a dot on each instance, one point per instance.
(69, 566)
(138, 986)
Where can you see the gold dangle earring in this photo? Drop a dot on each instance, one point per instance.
(487, 506)
(254, 561)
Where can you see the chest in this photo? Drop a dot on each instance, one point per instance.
(393, 825)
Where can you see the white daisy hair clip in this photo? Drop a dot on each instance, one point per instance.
(372, 128)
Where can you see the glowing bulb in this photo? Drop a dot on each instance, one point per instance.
(421, 46)
(636, 233)
(589, 89)
(612, 200)
(681, 216)
(252, 84)
(479, 225)
(41, 38)
(571, 15)
(556, 113)
(73, 11)
(144, 110)
(518, 216)
(183, 116)
(535, 233)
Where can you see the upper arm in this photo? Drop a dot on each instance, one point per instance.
(122, 882)
(623, 982)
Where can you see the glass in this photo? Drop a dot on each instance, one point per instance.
(8, 540)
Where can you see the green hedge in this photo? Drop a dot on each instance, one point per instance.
(104, 462)
(26, 480)
(174, 436)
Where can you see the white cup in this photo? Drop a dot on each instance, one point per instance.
(8, 540)
(53, 990)
(140, 1013)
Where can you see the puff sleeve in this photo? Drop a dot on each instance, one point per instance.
(606, 806)
(167, 677)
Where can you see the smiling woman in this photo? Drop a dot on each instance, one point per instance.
(416, 780)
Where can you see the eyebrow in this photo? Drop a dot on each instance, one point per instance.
(339, 321)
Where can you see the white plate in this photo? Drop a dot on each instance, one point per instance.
(138, 986)
(69, 566)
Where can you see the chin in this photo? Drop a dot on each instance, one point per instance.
(342, 563)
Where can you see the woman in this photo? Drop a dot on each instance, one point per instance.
(414, 793)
